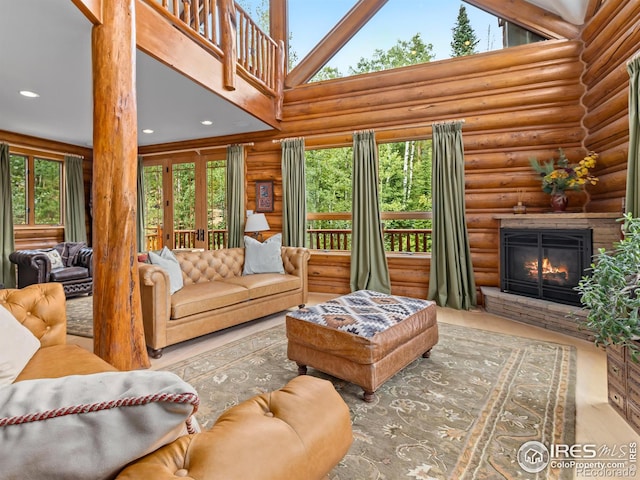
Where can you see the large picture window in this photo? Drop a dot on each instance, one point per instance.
(405, 196)
(36, 190)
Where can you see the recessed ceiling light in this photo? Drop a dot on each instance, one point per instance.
(206, 122)
(147, 130)
(27, 93)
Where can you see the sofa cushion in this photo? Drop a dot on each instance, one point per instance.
(265, 284)
(55, 258)
(168, 261)
(17, 346)
(70, 252)
(90, 426)
(69, 273)
(62, 360)
(206, 296)
(263, 257)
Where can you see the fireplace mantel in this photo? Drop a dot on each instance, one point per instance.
(605, 226)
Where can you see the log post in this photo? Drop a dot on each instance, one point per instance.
(117, 312)
(228, 29)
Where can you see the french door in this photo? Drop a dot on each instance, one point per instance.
(184, 202)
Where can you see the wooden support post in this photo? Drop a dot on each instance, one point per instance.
(228, 29)
(117, 312)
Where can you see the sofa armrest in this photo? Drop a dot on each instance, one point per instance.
(85, 259)
(41, 308)
(296, 261)
(33, 266)
(273, 428)
(156, 304)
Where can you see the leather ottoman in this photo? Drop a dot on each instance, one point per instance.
(365, 337)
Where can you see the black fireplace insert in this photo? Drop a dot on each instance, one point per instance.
(544, 263)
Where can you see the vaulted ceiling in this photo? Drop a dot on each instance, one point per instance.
(46, 48)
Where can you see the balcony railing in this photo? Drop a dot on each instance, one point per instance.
(226, 30)
(409, 240)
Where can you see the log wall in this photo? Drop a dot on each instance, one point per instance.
(516, 103)
(610, 39)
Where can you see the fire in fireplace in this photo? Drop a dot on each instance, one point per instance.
(544, 263)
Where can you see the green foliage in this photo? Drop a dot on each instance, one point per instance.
(47, 192)
(18, 175)
(326, 73)
(612, 292)
(464, 38)
(403, 53)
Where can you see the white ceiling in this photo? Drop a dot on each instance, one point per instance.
(573, 11)
(45, 47)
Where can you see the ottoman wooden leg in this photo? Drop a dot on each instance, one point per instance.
(368, 396)
(302, 369)
(426, 354)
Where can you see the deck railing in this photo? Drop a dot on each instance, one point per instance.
(226, 30)
(410, 240)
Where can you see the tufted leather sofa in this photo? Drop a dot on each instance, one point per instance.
(300, 431)
(215, 294)
(35, 267)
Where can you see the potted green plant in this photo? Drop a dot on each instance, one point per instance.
(611, 292)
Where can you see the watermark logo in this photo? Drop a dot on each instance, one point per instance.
(586, 460)
(533, 457)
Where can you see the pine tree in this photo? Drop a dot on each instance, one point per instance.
(464, 38)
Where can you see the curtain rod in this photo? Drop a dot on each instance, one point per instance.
(43, 150)
(197, 150)
(280, 140)
(447, 122)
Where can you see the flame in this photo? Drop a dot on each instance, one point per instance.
(549, 271)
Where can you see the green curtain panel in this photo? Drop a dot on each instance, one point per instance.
(632, 201)
(369, 269)
(235, 196)
(294, 202)
(140, 227)
(7, 269)
(451, 281)
(75, 228)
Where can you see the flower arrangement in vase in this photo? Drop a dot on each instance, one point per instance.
(559, 175)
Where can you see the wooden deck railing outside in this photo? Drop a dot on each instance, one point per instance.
(226, 30)
(414, 240)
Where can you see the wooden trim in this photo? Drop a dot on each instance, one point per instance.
(92, 9)
(339, 35)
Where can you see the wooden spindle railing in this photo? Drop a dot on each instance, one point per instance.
(225, 29)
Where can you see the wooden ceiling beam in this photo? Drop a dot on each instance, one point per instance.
(339, 35)
(529, 16)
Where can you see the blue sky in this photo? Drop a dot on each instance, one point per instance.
(310, 20)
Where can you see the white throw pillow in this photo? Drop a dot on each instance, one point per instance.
(54, 258)
(263, 257)
(167, 260)
(90, 426)
(17, 346)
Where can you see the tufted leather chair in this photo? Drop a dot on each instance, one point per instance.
(34, 267)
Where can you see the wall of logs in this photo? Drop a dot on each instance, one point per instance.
(610, 40)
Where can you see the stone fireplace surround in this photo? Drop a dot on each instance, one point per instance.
(543, 313)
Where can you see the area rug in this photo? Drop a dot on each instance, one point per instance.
(462, 413)
(80, 316)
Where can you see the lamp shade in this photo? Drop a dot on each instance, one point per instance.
(256, 223)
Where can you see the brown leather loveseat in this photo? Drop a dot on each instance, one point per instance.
(298, 432)
(75, 271)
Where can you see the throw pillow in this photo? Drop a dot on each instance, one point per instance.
(90, 426)
(54, 258)
(17, 346)
(70, 252)
(263, 257)
(167, 260)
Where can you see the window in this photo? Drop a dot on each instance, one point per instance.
(36, 190)
(405, 196)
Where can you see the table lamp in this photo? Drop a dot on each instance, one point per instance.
(256, 224)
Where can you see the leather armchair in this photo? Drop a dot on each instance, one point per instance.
(34, 266)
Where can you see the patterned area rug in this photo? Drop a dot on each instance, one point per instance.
(463, 413)
(80, 316)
